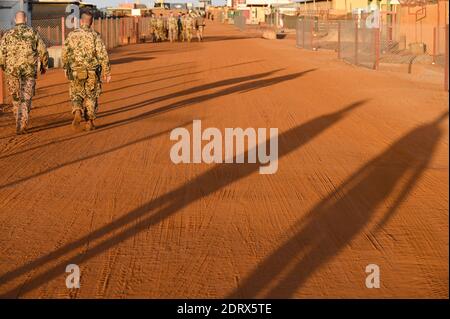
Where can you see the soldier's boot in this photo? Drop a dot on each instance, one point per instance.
(76, 120)
(18, 127)
(23, 131)
(19, 121)
(90, 126)
(24, 126)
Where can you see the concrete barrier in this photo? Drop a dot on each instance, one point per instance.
(54, 57)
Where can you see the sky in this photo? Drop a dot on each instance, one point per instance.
(113, 3)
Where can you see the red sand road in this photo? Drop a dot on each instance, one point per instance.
(362, 179)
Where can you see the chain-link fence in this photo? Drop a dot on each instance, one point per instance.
(114, 31)
(358, 44)
(221, 16)
(239, 21)
(145, 28)
(305, 32)
(50, 30)
(371, 43)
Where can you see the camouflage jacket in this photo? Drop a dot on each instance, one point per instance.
(153, 22)
(85, 49)
(21, 48)
(172, 23)
(199, 21)
(160, 22)
(189, 23)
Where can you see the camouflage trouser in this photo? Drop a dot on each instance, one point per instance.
(173, 32)
(160, 33)
(22, 91)
(188, 34)
(84, 95)
(200, 32)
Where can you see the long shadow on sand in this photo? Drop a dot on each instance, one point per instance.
(226, 38)
(195, 89)
(157, 210)
(151, 81)
(245, 87)
(335, 221)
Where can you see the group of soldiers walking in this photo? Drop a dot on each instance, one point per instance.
(177, 28)
(85, 60)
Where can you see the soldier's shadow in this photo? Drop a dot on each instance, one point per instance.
(131, 59)
(336, 220)
(161, 208)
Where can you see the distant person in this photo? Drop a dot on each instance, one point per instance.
(183, 27)
(189, 25)
(199, 26)
(153, 27)
(86, 62)
(172, 25)
(180, 27)
(160, 31)
(21, 52)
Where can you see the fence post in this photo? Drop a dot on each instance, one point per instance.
(303, 31)
(434, 45)
(113, 32)
(63, 31)
(339, 40)
(110, 32)
(136, 23)
(356, 42)
(120, 31)
(376, 47)
(128, 30)
(106, 33)
(116, 27)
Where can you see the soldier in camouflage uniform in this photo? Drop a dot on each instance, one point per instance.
(21, 50)
(160, 32)
(173, 27)
(153, 27)
(189, 25)
(199, 26)
(86, 62)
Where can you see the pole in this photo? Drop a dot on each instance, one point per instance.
(356, 42)
(434, 45)
(376, 47)
(136, 22)
(303, 31)
(339, 40)
(63, 31)
(106, 33)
